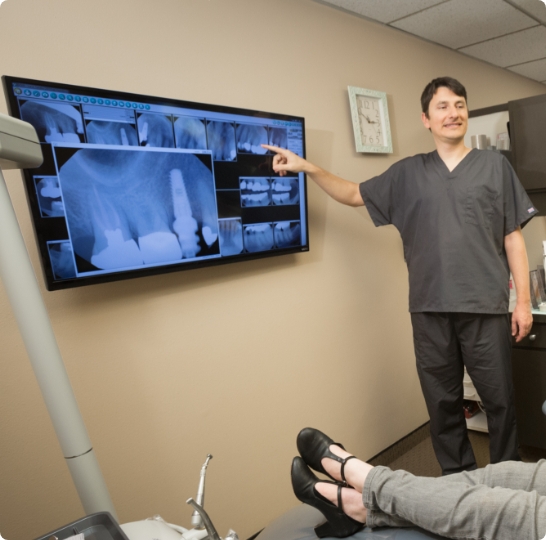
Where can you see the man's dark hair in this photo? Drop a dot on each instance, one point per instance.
(432, 87)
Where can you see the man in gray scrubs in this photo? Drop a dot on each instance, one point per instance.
(459, 212)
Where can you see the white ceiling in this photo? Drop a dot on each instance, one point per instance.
(507, 33)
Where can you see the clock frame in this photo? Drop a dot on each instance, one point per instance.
(370, 115)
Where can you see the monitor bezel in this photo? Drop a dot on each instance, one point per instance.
(53, 284)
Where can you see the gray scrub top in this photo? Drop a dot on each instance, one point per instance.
(453, 226)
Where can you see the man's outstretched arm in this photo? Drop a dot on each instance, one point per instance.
(339, 189)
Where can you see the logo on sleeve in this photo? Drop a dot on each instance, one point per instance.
(529, 210)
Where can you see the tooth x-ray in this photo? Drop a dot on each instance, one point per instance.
(131, 207)
(258, 237)
(286, 233)
(155, 130)
(54, 122)
(278, 137)
(250, 137)
(118, 133)
(135, 185)
(190, 133)
(285, 190)
(221, 139)
(231, 236)
(255, 191)
(49, 197)
(62, 259)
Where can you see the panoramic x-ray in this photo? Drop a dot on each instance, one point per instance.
(258, 237)
(250, 138)
(278, 137)
(231, 236)
(48, 192)
(62, 259)
(54, 122)
(131, 207)
(155, 130)
(221, 138)
(285, 190)
(255, 191)
(190, 133)
(287, 233)
(119, 133)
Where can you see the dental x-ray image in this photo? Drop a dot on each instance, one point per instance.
(221, 139)
(287, 233)
(155, 130)
(231, 236)
(128, 207)
(255, 191)
(190, 133)
(62, 259)
(113, 133)
(258, 237)
(250, 137)
(49, 197)
(54, 122)
(285, 190)
(278, 137)
(134, 185)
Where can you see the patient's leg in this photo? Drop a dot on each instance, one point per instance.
(502, 501)
(453, 509)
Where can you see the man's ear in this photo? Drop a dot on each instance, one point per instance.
(425, 120)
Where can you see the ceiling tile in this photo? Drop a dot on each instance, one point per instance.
(534, 70)
(517, 48)
(384, 11)
(450, 24)
(535, 8)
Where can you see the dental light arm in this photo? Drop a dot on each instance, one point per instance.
(19, 145)
(20, 148)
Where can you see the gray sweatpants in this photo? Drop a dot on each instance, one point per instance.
(503, 501)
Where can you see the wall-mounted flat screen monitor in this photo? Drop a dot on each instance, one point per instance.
(134, 185)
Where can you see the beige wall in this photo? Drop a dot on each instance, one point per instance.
(232, 360)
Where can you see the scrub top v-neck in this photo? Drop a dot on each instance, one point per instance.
(452, 225)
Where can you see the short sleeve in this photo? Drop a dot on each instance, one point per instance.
(518, 208)
(381, 196)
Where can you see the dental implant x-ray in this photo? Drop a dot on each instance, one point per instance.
(126, 208)
(155, 130)
(54, 122)
(133, 185)
(117, 133)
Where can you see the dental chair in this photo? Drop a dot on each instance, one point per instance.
(299, 524)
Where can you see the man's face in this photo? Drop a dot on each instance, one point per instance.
(447, 116)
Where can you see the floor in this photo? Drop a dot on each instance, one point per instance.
(414, 453)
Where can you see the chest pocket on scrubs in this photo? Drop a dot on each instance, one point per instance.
(480, 205)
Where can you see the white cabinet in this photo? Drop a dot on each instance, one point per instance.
(479, 421)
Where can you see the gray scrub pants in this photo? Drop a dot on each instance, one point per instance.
(504, 501)
(444, 344)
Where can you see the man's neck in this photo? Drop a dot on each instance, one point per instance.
(452, 153)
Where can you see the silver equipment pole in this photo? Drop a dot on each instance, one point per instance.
(28, 306)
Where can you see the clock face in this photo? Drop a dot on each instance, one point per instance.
(371, 122)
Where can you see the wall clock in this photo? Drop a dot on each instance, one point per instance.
(370, 115)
